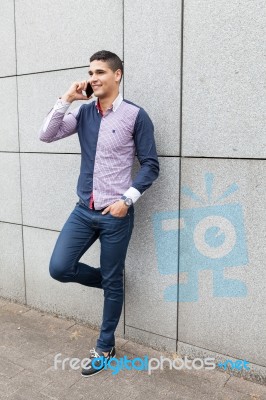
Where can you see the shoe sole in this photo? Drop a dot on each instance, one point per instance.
(95, 373)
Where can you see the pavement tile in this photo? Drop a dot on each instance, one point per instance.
(10, 320)
(202, 381)
(94, 387)
(12, 307)
(40, 321)
(6, 389)
(145, 386)
(35, 343)
(174, 381)
(244, 386)
(71, 345)
(27, 394)
(227, 394)
(135, 384)
(8, 368)
(61, 382)
(27, 366)
(22, 359)
(29, 380)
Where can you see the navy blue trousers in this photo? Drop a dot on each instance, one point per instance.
(82, 228)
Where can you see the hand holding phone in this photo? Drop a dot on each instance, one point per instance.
(75, 91)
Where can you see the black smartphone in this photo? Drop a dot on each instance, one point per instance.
(89, 90)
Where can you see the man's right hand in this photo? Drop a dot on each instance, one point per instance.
(75, 92)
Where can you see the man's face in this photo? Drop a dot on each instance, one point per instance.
(103, 80)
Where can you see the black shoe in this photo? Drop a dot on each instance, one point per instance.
(98, 365)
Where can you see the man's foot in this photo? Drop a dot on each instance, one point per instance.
(94, 366)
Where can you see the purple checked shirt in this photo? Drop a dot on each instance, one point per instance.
(108, 144)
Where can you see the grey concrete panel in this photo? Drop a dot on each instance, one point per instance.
(152, 65)
(152, 340)
(9, 118)
(10, 196)
(7, 41)
(148, 276)
(222, 257)
(63, 34)
(48, 188)
(11, 263)
(67, 299)
(224, 72)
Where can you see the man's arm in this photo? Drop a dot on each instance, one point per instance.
(147, 156)
(56, 124)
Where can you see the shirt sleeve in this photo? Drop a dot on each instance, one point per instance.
(133, 193)
(56, 125)
(146, 153)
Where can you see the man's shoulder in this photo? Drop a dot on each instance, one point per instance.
(88, 106)
(141, 111)
(131, 103)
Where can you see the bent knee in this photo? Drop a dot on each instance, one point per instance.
(56, 271)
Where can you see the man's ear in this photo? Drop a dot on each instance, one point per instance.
(118, 75)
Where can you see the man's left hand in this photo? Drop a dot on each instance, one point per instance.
(117, 209)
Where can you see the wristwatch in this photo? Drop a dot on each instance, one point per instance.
(127, 200)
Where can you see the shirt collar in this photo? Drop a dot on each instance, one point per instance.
(116, 103)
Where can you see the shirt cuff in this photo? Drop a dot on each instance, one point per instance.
(61, 105)
(133, 193)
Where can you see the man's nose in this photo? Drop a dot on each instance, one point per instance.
(93, 79)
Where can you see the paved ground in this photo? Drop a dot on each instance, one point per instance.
(29, 341)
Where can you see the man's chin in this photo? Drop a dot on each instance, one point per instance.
(100, 95)
(97, 93)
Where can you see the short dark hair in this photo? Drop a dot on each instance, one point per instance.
(112, 59)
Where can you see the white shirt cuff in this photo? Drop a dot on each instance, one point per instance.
(133, 193)
(61, 106)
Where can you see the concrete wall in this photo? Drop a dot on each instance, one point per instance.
(198, 68)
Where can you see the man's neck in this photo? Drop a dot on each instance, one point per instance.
(106, 102)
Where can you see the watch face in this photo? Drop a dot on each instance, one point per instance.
(128, 202)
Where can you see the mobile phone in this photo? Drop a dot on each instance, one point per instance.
(89, 90)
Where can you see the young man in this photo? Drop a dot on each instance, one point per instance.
(110, 130)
